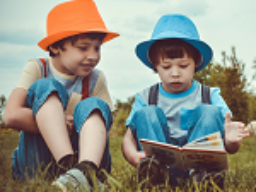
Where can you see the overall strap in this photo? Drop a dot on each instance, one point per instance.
(206, 95)
(85, 87)
(44, 64)
(153, 95)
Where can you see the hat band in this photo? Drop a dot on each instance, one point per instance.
(172, 34)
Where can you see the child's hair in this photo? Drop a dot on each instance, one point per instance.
(74, 38)
(172, 48)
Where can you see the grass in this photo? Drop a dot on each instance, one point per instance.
(241, 175)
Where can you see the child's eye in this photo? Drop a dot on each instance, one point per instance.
(166, 67)
(83, 48)
(97, 48)
(183, 66)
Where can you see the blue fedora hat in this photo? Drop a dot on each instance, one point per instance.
(179, 27)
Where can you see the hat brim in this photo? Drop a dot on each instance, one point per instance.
(49, 40)
(203, 48)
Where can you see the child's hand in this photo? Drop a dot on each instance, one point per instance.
(234, 134)
(69, 123)
(140, 155)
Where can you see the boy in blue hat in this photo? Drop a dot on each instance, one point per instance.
(177, 114)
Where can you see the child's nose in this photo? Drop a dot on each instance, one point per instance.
(175, 72)
(92, 55)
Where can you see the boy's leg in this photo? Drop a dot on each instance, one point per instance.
(93, 133)
(151, 123)
(50, 119)
(31, 153)
(92, 119)
(202, 121)
(32, 149)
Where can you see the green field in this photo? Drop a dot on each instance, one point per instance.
(240, 177)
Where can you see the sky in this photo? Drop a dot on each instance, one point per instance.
(220, 23)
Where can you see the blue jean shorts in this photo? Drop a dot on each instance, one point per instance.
(32, 154)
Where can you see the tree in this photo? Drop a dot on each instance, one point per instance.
(120, 115)
(254, 65)
(2, 105)
(252, 107)
(233, 86)
(211, 75)
(203, 76)
(252, 97)
(229, 77)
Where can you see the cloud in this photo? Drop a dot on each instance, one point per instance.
(221, 24)
(194, 8)
(8, 79)
(186, 7)
(134, 79)
(151, 1)
(21, 37)
(16, 56)
(143, 23)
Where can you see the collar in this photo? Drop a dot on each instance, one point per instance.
(178, 95)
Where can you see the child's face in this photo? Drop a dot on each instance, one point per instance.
(80, 58)
(176, 74)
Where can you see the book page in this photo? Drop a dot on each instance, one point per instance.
(207, 152)
(212, 142)
(168, 154)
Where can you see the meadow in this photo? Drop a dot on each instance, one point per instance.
(241, 175)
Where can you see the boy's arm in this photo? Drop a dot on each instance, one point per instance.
(234, 134)
(130, 149)
(16, 115)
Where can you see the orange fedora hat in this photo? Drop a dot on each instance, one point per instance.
(71, 18)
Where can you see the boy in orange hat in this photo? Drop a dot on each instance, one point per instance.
(61, 104)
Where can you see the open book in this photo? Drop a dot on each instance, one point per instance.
(207, 152)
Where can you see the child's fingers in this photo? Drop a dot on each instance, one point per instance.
(69, 118)
(227, 117)
(246, 131)
(241, 125)
(244, 135)
(69, 127)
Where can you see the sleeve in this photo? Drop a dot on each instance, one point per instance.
(30, 73)
(101, 90)
(217, 100)
(138, 104)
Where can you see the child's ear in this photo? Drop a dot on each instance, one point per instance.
(54, 50)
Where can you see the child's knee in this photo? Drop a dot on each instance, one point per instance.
(41, 90)
(211, 117)
(150, 114)
(92, 105)
(148, 111)
(209, 110)
(45, 84)
(210, 113)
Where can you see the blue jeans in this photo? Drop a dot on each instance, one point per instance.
(150, 123)
(32, 152)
